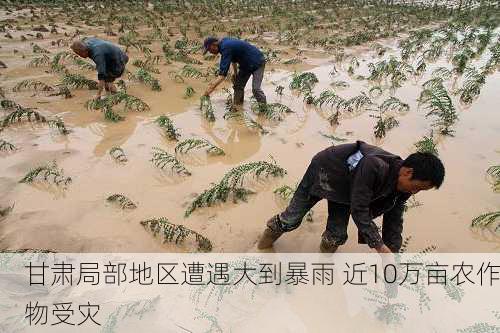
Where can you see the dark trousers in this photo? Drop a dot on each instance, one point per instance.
(241, 81)
(303, 201)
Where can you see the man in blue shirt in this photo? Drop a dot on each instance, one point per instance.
(109, 59)
(250, 62)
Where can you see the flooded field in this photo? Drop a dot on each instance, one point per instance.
(78, 218)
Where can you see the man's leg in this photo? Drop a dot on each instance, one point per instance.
(257, 78)
(291, 218)
(336, 227)
(239, 86)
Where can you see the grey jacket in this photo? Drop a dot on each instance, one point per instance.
(370, 189)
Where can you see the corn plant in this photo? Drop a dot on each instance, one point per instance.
(61, 90)
(375, 91)
(279, 90)
(190, 71)
(122, 201)
(355, 103)
(8, 104)
(38, 49)
(273, 111)
(461, 59)
(246, 120)
(168, 127)
(173, 233)
(384, 124)
(487, 220)
(333, 138)
(58, 123)
(110, 115)
(427, 145)
(339, 84)
(49, 173)
(189, 92)
(32, 84)
(146, 65)
(145, 77)
(118, 154)
(6, 146)
(353, 65)
(232, 184)
(206, 108)
(131, 103)
(23, 113)
(43, 60)
(83, 64)
(394, 104)
(441, 73)
(472, 85)
(190, 144)
(303, 82)
(494, 173)
(327, 97)
(439, 105)
(78, 81)
(162, 159)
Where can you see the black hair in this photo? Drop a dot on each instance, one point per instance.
(426, 167)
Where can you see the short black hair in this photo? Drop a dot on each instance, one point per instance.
(426, 167)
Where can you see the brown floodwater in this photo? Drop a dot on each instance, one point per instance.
(79, 219)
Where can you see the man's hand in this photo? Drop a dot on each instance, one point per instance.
(208, 91)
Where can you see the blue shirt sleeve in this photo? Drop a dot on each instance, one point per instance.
(225, 62)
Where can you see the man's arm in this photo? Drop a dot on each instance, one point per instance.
(100, 63)
(225, 62)
(361, 196)
(392, 226)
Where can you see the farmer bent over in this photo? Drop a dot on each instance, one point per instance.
(364, 181)
(109, 59)
(247, 61)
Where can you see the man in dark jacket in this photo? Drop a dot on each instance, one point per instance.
(361, 180)
(109, 59)
(250, 62)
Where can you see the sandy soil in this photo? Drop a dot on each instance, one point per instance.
(79, 219)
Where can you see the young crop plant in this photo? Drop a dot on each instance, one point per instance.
(384, 124)
(427, 145)
(122, 201)
(43, 60)
(328, 97)
(6, 146)
(303, 82)
(190, 144)
(394, 104)
(206, 108)
(272, 111)
(472, 85)
(118, 155)
(78, 81)
(61, 90)
(146, 65)
(21, 114)
(58, 123)
(49, 173)
(168, 127)
(32, 85)
(487, 220)
(162, 159)
(353, 65)
(145, 77)
(355, 103)
(232, 184)
(174, 233)
(494, 173)
(189, 92)
(246, 120)
(436, 100)
(190, 71)
(131, 103)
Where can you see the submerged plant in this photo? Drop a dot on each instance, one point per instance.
(32, 84)
(58, 123)
(190, 144)
(78, 81)
(145, 77)
(273, 111)
(123, 201)
(189, 92)
(49, 172)
(6, 146)
(118, 154)
(232, 184)
(174, 233)
(162, 159)
(130, 102)
(303, 81)
(427, 145)
(42, 60)
(494, 173)
(487, 220)
(384, 124)
(168, 127)
(20, 114)
(473, 83)
(439, 104)
(206, 108)
(394, 104)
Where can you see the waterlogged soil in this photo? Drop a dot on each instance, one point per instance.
(79, 219)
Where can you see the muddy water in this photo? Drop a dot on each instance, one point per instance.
(79, 219)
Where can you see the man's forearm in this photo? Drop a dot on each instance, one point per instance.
(214, 84)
